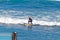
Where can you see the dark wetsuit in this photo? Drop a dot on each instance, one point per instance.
(30, 21)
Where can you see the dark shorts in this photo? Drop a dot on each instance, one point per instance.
(29, 21)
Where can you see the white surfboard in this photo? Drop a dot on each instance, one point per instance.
(28, 24)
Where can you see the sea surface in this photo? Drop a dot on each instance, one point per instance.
(46, 14)
(29, 33)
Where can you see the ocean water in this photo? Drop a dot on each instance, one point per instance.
(28, 33)
(46, 14)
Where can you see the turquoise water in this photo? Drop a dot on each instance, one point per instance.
(15, 12)
(40, 10)
(34, 33)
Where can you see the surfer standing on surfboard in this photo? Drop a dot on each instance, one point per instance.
(29, 20)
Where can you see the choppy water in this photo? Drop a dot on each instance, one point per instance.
(34, 33)
(15, 12)
(47, 12)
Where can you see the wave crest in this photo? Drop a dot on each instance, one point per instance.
(9, 20)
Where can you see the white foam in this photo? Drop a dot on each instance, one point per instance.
(53, 0)
(9, 20)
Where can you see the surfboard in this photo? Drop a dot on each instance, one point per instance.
(28, 24)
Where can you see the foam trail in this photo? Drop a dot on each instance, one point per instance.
(53, 0)
(9, 20)
(12, 20)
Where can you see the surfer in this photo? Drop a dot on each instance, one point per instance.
(29, 20)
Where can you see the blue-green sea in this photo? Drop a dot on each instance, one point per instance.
(45, 13)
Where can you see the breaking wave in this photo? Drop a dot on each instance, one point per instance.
(9, 20)
(49, 18)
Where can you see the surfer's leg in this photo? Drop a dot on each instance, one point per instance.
(31, 22)
(28, 22)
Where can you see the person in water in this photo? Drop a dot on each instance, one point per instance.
(29, 20)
